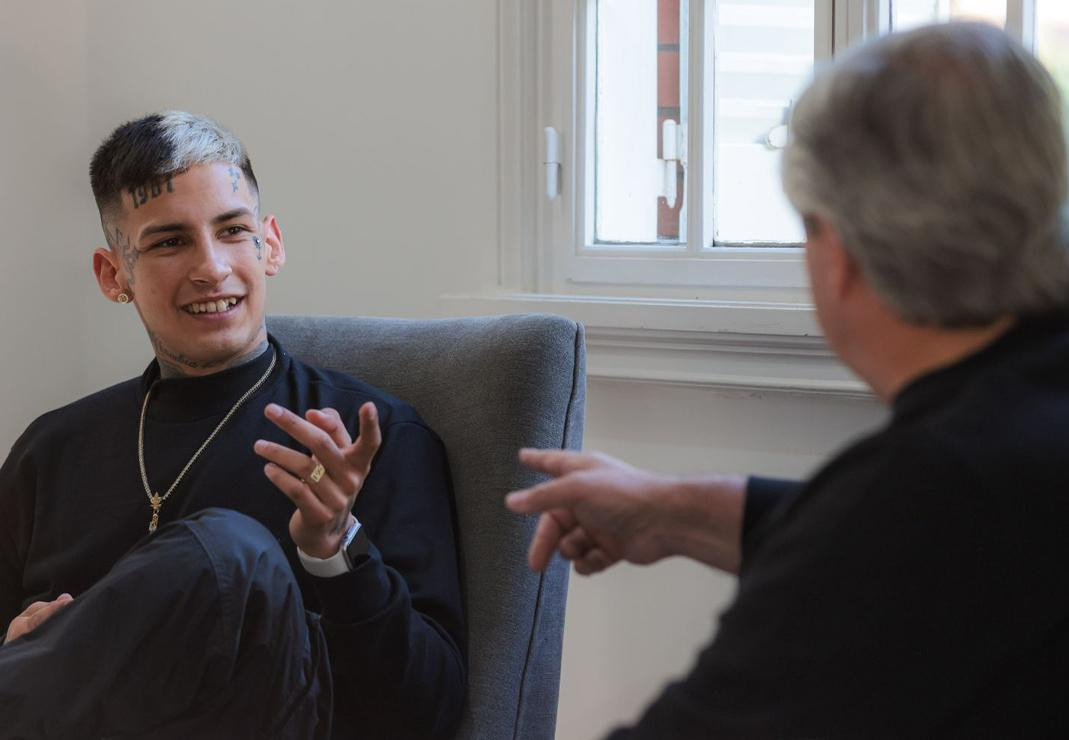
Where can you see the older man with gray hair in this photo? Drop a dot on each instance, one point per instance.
(909, 588)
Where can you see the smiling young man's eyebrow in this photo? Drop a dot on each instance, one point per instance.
(231, 215)
(163, 228)
(178, 226)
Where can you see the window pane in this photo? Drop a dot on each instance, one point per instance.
(764, 57)
(907, 14)
(1052, 43)
(640, 84)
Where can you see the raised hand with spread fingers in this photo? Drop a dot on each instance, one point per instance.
(323, 485)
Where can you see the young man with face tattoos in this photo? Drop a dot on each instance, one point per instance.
(234, 544)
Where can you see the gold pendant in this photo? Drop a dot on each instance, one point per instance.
(156, 502)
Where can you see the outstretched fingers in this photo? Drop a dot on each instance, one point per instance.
(552, 527)
(329, 420)
(559, 493)
(559, 462)
(303, 497)
(362, 452)
(318, 441)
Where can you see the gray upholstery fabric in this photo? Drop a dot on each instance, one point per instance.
(487, 386)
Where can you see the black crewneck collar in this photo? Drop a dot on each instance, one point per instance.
(192, 398)
(941, 385)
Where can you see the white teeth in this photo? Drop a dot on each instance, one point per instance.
(221, 305)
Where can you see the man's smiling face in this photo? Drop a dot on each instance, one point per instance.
(195, 255)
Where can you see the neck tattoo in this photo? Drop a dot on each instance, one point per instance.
(174, 365)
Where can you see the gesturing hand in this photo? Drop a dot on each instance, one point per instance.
(324, 506)
(596, 511)
(34, 616)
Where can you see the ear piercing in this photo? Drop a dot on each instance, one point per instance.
(123, 297)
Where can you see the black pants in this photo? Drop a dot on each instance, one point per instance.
(198, 632)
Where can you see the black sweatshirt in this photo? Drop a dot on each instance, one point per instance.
(72, 503)
(915, 586)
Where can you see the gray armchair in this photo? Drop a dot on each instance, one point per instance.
(487, 386)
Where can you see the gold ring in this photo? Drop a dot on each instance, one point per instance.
(317, 472)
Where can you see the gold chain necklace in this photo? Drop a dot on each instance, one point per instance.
(155, 500)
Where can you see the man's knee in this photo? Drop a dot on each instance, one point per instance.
(222, 525)
(216, 555)
(241, 549)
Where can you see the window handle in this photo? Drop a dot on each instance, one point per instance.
(777, 136)
(673, 150)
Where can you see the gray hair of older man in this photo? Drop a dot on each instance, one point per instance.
(939, 156)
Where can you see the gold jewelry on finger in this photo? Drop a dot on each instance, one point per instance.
(317, 472)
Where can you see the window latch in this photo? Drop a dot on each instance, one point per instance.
(777, 136)
(673, 151)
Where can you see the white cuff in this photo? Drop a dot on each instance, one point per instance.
(335, 565)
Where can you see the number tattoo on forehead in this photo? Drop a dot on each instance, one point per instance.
(140, 195)
(235, 177)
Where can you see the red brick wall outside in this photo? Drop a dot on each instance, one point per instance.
(668, 106)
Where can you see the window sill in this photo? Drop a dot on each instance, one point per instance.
(742, 346)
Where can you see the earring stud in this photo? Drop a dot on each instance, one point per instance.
(123, 297)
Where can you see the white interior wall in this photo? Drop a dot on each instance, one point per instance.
(372, 130)
(42, 208)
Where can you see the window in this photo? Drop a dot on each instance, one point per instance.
(763, 56)
(675, 117)
(671, 117)
(677, 251)
(683, 269)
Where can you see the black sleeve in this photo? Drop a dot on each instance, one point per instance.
(395, 625)
(16, 515)
(762, 496)
(875, 608)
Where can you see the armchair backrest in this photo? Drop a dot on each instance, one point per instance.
(487, 386)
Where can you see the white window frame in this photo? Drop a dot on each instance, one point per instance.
(550, 53)
(568, 261)
(738, 319)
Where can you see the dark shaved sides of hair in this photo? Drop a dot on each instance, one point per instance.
(139, 158)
